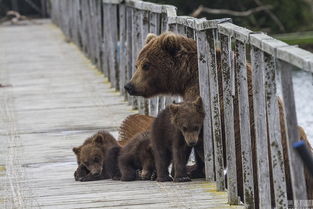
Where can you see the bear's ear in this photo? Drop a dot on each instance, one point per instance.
(150, 37)
(170, 43)
(198, 101)
(199, 105)
(76, 150)
(98, 139)
(174, 108)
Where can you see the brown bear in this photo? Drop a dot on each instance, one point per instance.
(167, 64)
(174, 132)
(136, 159)
(91, 157)
(133, 125)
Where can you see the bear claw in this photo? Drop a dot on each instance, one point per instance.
(182, 179)
(164, 179)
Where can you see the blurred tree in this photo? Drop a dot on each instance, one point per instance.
(284, 15)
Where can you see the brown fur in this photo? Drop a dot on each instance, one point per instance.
(91, 157)
(168, 65)
(136, 156)
(176, 129)
(133, 125)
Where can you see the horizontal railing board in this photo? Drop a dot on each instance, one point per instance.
(152, 7)
(112, 1)
(237, 32)
(296, 56)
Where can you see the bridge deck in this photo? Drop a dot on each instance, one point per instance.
(53, 100)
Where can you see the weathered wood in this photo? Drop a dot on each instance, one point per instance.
(145, 24)
(154, 28)
(278, 169)
(122, 50)
(139, 43)
(203, 67)
(244, 122)
(114, 74)
(295, 163)
(136, 31)
(226, 59)
(260, 128)
(105, 38)
(129, 51)
(215, 111)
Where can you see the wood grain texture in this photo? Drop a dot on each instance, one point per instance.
(260, 128)
(274, 133)
(295, 163)
(203, 60)
(228, 84)
(215, 112)
(244, 118)
(57, 99)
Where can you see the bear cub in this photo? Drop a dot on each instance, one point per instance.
(136, 159)
(92, 157)
(174, 132)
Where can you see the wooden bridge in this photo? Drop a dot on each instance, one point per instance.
(51, 99)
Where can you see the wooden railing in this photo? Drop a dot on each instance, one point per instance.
(111, 33)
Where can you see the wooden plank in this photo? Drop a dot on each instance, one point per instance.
(229, 119)
(129, 41)
(215, 111)
(122, 45)
(274, 133)
(259, 105)
(181, 29)
(135, 30)
(154, 28)
(203, 59)
(143, 26)
(113, 46)
(105, 38)
(295, 163)
(244, 118)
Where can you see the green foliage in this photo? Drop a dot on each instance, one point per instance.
(294, 15)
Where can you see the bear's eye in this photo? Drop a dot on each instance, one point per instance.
(145, 66)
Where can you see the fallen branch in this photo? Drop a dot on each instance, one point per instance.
(201, 9)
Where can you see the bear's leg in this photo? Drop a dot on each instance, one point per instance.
(147, 170)
(162, 160)
(187, 154)
(128, 173)
(179, 163)
(197, 170)
(111, 163)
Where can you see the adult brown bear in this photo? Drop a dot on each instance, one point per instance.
(167, 64)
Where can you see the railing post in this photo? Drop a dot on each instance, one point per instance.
(244, 122)
(203, 60)
(260, 128)
(154, 28)
(228, 84)
(295, 162)
(122, 52)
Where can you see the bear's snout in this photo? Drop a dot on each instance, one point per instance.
(129, 87)
(191, 144)
(191, 138)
